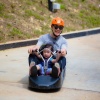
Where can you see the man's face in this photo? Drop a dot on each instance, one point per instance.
(57, 29)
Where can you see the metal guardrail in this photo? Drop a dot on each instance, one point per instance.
(34, 41)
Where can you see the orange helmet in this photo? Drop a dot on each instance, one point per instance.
(57, 21)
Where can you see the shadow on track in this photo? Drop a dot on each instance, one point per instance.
(44, 91)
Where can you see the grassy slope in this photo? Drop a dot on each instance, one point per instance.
(24, 19)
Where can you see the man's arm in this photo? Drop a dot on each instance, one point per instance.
(57, 58)
(63, 52)
(37, 46)
(64, 48)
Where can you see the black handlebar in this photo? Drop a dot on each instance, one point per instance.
(35, 50)
(58, 51)
(42, 50)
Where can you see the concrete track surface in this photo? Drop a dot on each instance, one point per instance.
(82, 81)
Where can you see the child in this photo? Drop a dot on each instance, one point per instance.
(50, 62)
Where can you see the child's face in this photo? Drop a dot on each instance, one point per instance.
(47, 52)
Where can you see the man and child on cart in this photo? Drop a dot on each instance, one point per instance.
(47, 57)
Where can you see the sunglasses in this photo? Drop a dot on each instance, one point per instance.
(60, 27)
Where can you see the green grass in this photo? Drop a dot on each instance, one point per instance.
(68, 29)
(3, 12)
(17, 33)
(88, 19)
(9, 25)
(39, 17)
(1, 35)
(29, 13)
(75, 4)
(37, 32)
(92, 21)
(16, 23)
(2, 8)
(93, 8)
(59, 1)
(62, 6)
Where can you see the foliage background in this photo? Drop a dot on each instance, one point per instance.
(27, 19)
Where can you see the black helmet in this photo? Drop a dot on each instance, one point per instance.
(47, 45)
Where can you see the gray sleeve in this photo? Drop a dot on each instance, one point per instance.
(64, 45)
(40, 41)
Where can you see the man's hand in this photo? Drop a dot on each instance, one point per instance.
(58, 55)
(63, 52)
(33, 49)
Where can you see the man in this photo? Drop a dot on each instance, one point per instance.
(58, 41)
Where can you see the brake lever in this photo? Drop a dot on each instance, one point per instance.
(58, 51)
